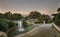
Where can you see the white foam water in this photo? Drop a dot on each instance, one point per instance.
(20, 26)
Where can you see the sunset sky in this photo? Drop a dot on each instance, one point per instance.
(25, 6)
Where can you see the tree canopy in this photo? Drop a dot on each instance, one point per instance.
(56, 18)
(10, 16)
(34, 14)
(58, 9)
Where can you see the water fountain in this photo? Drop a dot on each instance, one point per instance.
(43, 22)
(20, 26)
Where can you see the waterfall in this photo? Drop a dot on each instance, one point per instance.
(20, 26)
(43, 22)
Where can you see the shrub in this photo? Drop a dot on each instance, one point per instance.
(2, 36)
(56, 19)
(25, 24)
(5, 25)
(57, 22)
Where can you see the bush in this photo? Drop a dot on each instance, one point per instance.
(2, 35)
(25, 24)
(57, 22)
(5, 25)
(11, 24)
(56, 19)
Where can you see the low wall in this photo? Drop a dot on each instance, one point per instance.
(56, 27)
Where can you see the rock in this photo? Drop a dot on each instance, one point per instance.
(3, 34)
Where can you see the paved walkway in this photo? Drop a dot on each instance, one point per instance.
(44, 30)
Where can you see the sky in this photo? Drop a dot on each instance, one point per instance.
(26, 6)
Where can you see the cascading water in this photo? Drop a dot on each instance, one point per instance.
(43, 22)
(20, 26)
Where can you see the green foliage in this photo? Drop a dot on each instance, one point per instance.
(57, 22)
(58, 9)
(10, 16)
(40, 18)
(2, 15)
(16, 16)
(45, 18)
(25, 24)
(11, 24)
(34, 14)
(26, 18)
(2, 35)
(56, 19)
(13, 32)
(5, 25)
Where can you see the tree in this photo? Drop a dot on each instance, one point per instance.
(45, 18)
(58, 9)
(25, 24)
(56, 18)
(7, 26)
(3, 26)
(26, 18)
(34, 14)
(16, 16)
(8, 15)
(1, 15)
